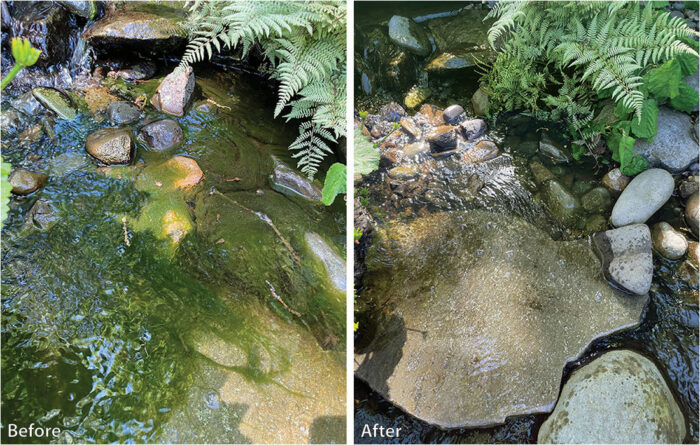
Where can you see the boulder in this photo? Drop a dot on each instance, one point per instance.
(47, 26)
(561, 203)
(620, 397)
(161, 135)
(452, 114)
(480, 102)
(128, 30)
(626, 256)
(673, 148)
(443, 137)
(332, 262)
(481, 313)
(174, 92)
(286, 180)
(409, 35)
(56, 101)
(472, 129)
(483, 151)
(692, 213)
(644, 195)
(669, 242)
(123, 112)
(111, 145)
(615, 181)
(24, 182)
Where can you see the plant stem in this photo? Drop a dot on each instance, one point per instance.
(11, 75)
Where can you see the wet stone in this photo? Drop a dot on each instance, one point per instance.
(692, 213)
(480, 102)
(615, 181)
(47, 26)
(563, 205)
(627, 258)
(390, 157)
(597, 200)
(24, 182)
(56, 101)
(416, 149)
(541, 173)
(404, 172)
(174, 92)
(443, 137)
(452, 114)
(332, 262)
(673, 148)
(410, 128)
(668, 242)
(409, 35)
(553, 149)
(391, 112)
(596, 223)
(41, 215)
(472, 129)
(483, 151)
(287, 181)
(123, 112)
(111, 145)
(161, 135)
(688, 187)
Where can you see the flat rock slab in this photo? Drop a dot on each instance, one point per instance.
(627, 257)
(620, 397)
(644, 195)
(482, 312)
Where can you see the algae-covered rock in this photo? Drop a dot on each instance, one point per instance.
(620, 397)
(416, 96)
(482, 313)
(333, 263)
(56, 101)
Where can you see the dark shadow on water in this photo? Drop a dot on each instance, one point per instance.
(384, 353)
(328, 429)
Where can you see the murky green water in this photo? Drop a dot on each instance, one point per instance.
(99, 338)
(668, 334)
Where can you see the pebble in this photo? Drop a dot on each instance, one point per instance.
(668, 242)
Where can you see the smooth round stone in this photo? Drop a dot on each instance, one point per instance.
(669, 242)
(644, 195)
(442, 137)
(473, 128)
(692, 213)
(627, 257)
(123, 112)
(161, 135)
(452, 113)
(620, 397)
(111, 145)
(24, 182)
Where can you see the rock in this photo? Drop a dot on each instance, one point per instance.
(47, 26)
(443, 137)
(41, 215)
(390, 157)
(694, 82)
(452, 114)
(332, 262)
(580, 187)
(416, 149)
(409, 35)
(410, 128)
(174, 92)
(450, 62)
(620, 397)
(185, 170)
(472, 129)
(110, 145)
(86, 9)
(161, 135)
(563, 205)
(597, 200)
(123, 112)
(140, 71)
(688, 187)
(480, 102)
(692, 213)
(432, 114)
(136, 31)
(24, 182)
(391, 112)
(615, 181)
(626, 256)
(541, 173)
(288, 181)
(56, 101)
(673, 148)
(669, 242)
(595, 223)
(450, 347)
(553, 149)
(694, 253)
(26, 104)
(644, 195)
(404, 172)
(483, 151)
(98, 99)
(416, 96)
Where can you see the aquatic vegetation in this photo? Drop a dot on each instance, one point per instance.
(305, 43)
(24, 56)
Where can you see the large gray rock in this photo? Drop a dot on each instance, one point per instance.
(111, 145)
(288, 181)
(627, 258)
(674, 148)
(24, 182)
(620, 397)
(644, 195)
(174, 92)
(333, 263)
(481, 312)
(409, 35)
(161, 135)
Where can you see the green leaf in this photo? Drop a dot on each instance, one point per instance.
(5, 189)
(662, 82)
(646, 126)
(691, 4)
(366, 156)
(688, 63)
(577, 151)
(630, 164)
(659, 4)
(334, 184)
(686, 100)
(621, 111)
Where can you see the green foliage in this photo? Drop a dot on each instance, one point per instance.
(646, 126)
(24, 56)
(622, 147)
(357, 234)
(366, 155)
(686, 100)
(304, 41)
(5, 189)
(334, 184)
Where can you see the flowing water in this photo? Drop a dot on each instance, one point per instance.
(114, 339)
(668, 333)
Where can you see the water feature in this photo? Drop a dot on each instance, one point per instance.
(114, 333)
(667, 333)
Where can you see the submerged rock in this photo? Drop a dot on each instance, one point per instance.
(56, 101)
(627, 258)
(41, 215)
(416, 149)
(673, 148)
(333, 263)
(620, 397)
(174, 92)
(562, 204)
(597, 200)
(110, 145)
(644, 195)
(288, 181)
(692, 213)
(24, 182)
(161, 135)
(553, 149)
(540, 173)
(123, 112)
(669, 242)
(483, 311)
(483, 151)
(409, 35)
